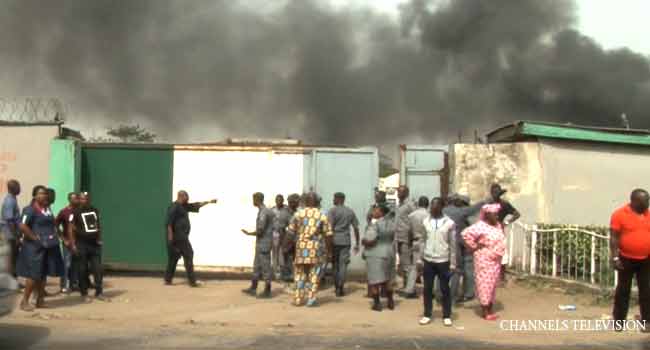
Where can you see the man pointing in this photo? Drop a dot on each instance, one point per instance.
(178, 231)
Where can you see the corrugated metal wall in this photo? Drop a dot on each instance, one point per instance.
(353, 172)
(133, 186)
(65, 170)
(132, 189)
(423, 168)
(232, 177)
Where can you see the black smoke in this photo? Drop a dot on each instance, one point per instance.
(204, 70)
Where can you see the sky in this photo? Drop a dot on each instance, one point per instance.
(613, 23)
(206, 70)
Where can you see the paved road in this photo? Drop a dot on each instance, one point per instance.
(39, 338)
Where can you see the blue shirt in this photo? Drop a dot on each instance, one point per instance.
(42, 223)
(10, 214)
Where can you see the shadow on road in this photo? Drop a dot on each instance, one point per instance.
(21, 336)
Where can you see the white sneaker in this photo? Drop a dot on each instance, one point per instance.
(447, 322)
(425, 321)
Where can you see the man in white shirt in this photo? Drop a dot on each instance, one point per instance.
(438, 259)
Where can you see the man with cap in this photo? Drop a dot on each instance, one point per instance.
(404, 241)
(287, 245)
(507, 215)
(342, 218)
(460, 212)
(417, 231)
(264, 226)
(282, 217)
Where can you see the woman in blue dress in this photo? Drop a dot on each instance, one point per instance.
(40, 255)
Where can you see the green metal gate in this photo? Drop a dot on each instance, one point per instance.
(132, 187)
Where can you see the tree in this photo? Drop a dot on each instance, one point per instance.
(128, 133)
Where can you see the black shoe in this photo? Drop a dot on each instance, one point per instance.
(340, 293)
(413, 295)
(169, 283)
(266, 294)
(376, 307)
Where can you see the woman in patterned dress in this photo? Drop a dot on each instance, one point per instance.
(380, 257)
(487, 240)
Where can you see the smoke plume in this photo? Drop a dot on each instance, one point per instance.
(205, 70)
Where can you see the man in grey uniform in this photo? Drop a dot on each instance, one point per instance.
(417, 231)
(342, 218)
(264, 226)
(403, 238)
(287, 248)
(380, 199)
(460, 212)
(282, 217)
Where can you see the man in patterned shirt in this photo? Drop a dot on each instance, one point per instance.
(312, 230)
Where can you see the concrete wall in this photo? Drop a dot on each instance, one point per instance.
(516, 167)
(25, 156)
(559, 182)
(585, 182)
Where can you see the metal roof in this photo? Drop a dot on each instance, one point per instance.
(30, 123)
(532, 130)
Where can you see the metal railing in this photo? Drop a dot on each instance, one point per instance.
(562, 252)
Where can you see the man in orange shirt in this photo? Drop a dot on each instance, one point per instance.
(630, 251)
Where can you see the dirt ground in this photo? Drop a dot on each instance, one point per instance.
(144, 314)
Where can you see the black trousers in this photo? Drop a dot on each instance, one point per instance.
(175, 251)
(430, 271)
(89, 260)
(341, 261)
(631, 268)
(286, 273)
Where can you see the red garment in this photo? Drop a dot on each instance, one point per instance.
(65, 217)
(634, 232)
(488, 243)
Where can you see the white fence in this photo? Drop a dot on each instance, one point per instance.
(562, 252)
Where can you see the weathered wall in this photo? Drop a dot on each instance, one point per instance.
(515, 166)
(585, 182)
(25, 156)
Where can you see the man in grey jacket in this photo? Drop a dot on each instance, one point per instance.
(417, 231)
(459, 210)
(438, 248)
(264, 226)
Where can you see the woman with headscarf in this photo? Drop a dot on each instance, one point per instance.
(487, 241)
(38, 257)
(380, 257)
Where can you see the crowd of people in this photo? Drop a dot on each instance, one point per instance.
(427, 240)
(67, 246)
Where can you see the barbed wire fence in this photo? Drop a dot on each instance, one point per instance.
(33, 109)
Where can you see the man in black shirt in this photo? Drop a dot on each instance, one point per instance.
(507, 215)
(178, 231)
(86, 241)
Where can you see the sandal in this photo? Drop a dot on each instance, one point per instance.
(27, 307)
(492, 317)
